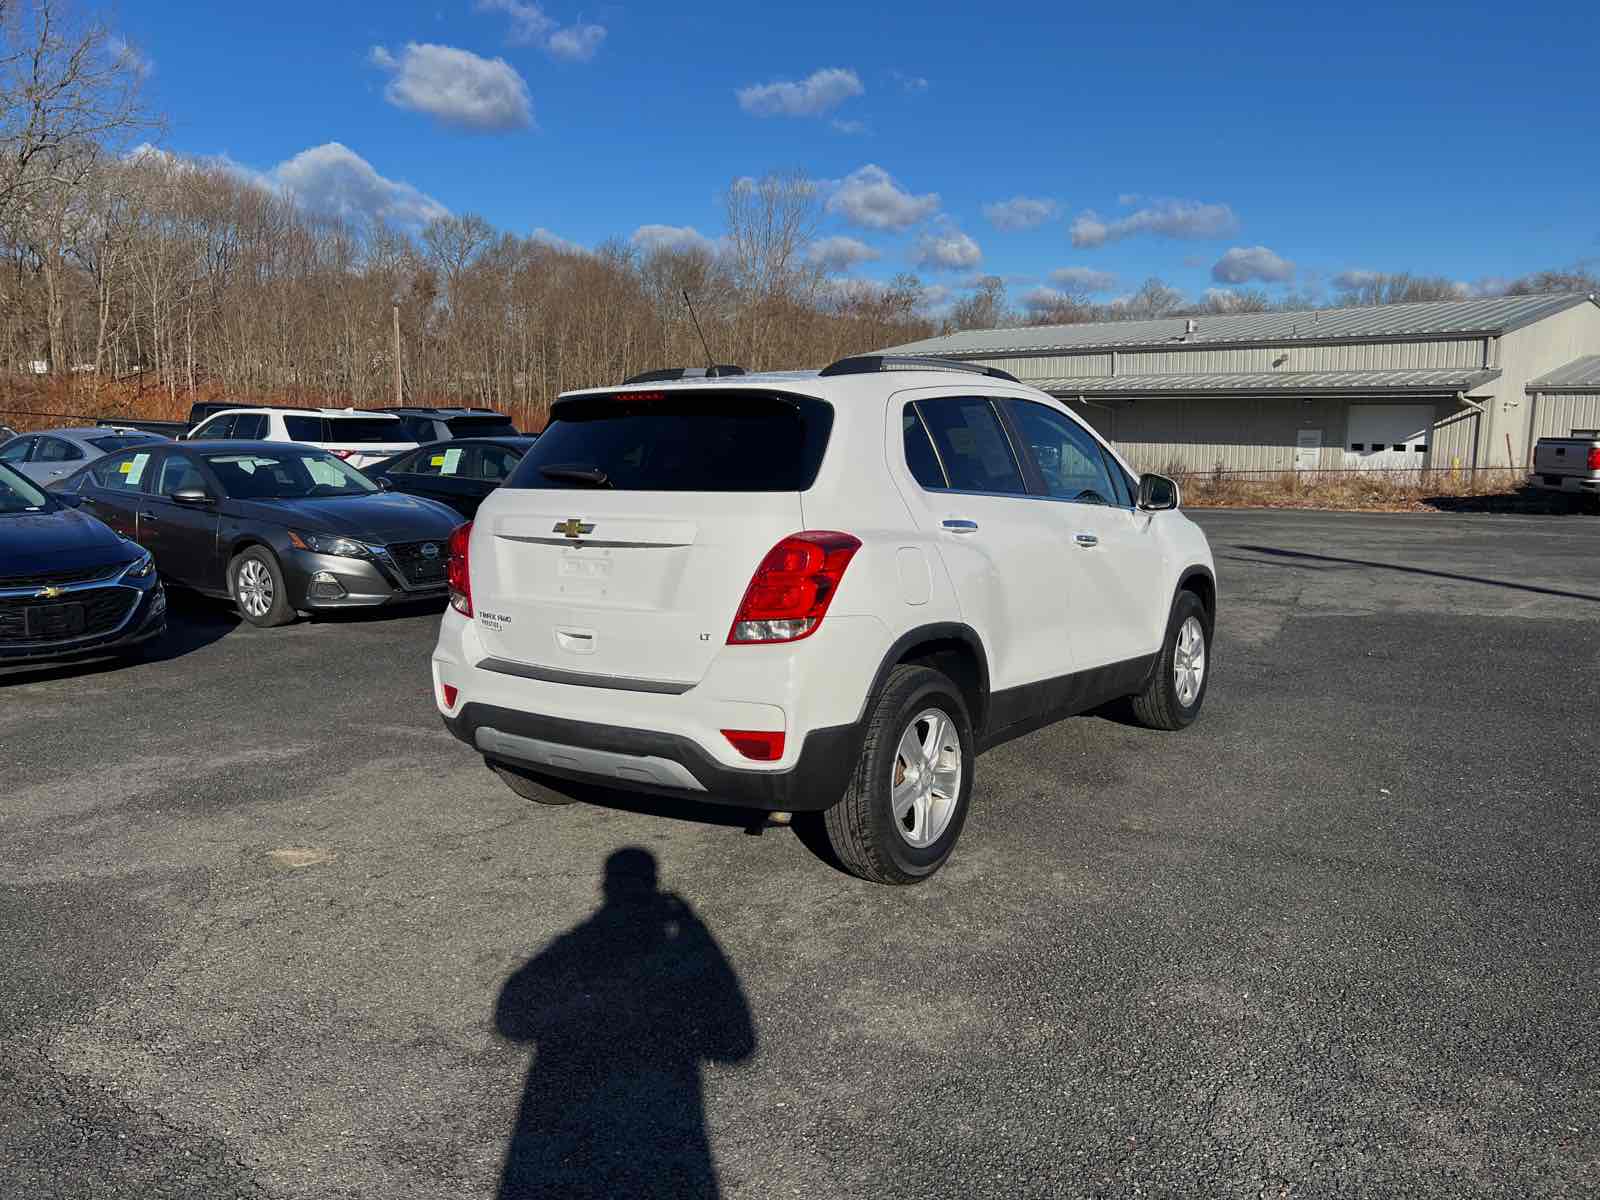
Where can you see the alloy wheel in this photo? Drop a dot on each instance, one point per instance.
(925, 783)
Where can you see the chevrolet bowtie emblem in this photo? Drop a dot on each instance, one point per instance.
(572, 528)
(49, 593)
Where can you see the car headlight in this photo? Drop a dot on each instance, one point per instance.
(141, 568)
(327, 543)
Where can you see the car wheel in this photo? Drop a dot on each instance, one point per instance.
(907, 800)
(1177, 688)
(256, 580)
(530, 786)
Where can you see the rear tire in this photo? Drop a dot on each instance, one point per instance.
(259, 592)
(918, 758)
(530, 786)
(1171, 700)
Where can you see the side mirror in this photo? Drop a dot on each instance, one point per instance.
(383, 483)
(70, 499)
(1157, 493)
(193, 497)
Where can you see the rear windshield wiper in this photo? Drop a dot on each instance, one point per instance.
(577, 473)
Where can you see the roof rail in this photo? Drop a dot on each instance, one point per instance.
(864, 364)
(669, 374)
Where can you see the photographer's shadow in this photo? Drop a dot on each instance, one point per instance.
(622, 1010)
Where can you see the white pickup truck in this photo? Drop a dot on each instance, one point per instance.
(1570, 464)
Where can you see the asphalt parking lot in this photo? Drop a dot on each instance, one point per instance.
(269, 931)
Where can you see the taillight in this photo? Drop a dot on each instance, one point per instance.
(790, 592)
(1594, 458)
(458, 570)
(341, 453)
(449, 692)
(760, 744)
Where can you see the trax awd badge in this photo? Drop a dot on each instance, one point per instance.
(572, 528)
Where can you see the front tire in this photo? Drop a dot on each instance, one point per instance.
(259, 592)
(1172, 698)
(908, 798)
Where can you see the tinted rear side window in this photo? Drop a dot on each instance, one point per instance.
(120, 441)
(364, 430)
(972, 445)
(717, 442)
(463, 427)
(305, 429)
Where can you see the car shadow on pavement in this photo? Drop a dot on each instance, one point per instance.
(1305, 556)
(621, 1010)
(193, 622)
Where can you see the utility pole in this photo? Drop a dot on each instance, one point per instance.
(397, 397)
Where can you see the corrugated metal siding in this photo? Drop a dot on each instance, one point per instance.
(1379, 356)
(1557, 414)
(1169, 433)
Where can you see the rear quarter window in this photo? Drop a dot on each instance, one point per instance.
(734, 441)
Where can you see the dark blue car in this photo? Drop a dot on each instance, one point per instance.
(69, 586)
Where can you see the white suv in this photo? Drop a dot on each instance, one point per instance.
(360, 438)
(820, 592)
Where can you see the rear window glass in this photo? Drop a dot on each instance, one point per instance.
(353, 430)
(718, 442)
(481, 427)
(115, 442)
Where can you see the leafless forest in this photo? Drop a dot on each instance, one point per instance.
(136, 281)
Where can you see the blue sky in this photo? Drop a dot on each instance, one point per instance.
(1275, 146)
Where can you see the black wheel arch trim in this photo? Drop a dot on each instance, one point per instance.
(927, 635)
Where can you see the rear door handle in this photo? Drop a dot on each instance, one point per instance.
(957, 525)
(1087, 540)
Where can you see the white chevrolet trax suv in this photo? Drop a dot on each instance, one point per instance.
(816, 593)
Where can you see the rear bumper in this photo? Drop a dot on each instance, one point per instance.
(1578, 485)
(650, 761)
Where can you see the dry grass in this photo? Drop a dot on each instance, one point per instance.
(1362, 491)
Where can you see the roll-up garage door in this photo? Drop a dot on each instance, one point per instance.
(1389, 436)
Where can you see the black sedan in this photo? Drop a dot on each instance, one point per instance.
(69, 586)
(276, 527)
(459, 473)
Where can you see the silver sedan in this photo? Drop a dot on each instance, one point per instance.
(55, 453)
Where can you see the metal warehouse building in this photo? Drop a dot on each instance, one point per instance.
(1464, 383)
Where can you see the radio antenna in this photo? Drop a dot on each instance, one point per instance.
(711, 363)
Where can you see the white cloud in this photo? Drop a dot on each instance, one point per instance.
(1042, 299)
(946, 249)
(1164, 218)
(1354, 278)
(870, 199)
(576, 43)
(672, 237)
(911, 84)
(531, 26)
(456, 87)
(556, 242)
(820, 92)
(1019, 212)
(842, 253)
(126, 54)
(1083, 279)
(850, 127)
(334, 179)
(1242, 264)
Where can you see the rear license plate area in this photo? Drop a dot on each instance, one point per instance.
(54, 620)
(1553, 480)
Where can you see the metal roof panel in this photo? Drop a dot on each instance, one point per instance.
(1437, 379)
(1580, 373)
(1432, 318)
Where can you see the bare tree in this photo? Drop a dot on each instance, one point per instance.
(984, 309)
